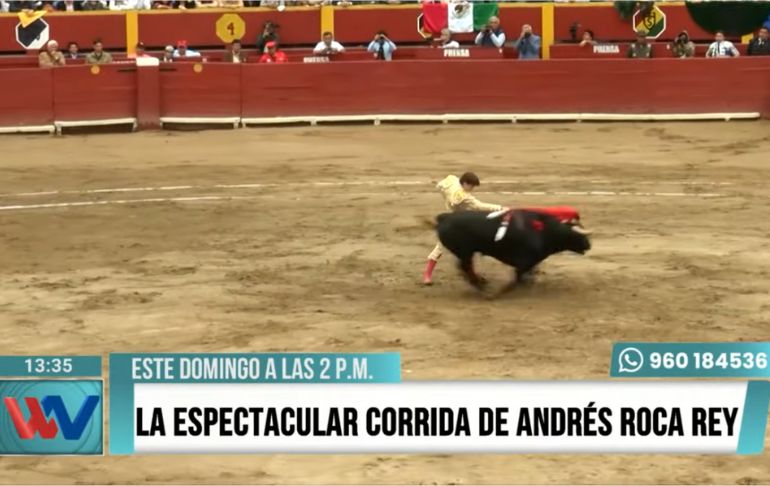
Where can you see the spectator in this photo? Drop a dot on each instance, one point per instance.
(184, 5)
(528, 44)
(183, 51)
(683, 46)
(130, 4)
(162, 5)
(269, 34)
(588, 38)
(382, 47)
(139, 51)
(641, 49)
(235, 54)
(98, 56)
(91, 5)
(231, 3)
(73, 51)
(51, 56)
(168, 54)
(491, 35)
(721, 47)
(20, 6)
(272, 55)
(445, 41)
(761, 45)
(328, 46)
(68, 6)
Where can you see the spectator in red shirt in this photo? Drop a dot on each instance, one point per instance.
(272, 55)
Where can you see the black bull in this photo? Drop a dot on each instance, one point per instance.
(530, 238)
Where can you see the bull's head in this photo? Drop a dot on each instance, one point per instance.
(576, 239)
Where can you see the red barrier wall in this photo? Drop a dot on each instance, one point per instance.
(148, 98)
(213, 91)
(656, 86)
(83, 93)
(27, 97)
(567, 86)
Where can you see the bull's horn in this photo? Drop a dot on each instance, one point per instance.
(581, 230)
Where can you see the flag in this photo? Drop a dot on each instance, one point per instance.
(457, 16)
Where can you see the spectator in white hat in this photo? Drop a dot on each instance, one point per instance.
(168, 54)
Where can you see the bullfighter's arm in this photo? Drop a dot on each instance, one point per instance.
(473, 204)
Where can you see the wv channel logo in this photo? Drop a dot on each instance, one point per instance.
(51, 417)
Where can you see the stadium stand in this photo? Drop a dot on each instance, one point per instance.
(422, 83)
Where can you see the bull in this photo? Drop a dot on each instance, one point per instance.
(519, 238)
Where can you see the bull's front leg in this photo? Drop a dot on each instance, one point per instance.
(527, 277)
(523, 273)
(526, 270)
(466, 266)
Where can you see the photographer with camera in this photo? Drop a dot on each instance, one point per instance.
(491, 35)
(328, 46)
(269, 34)
(528, 44)
(683, 46)
(382, 47)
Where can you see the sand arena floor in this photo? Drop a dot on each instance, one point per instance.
(681, 253)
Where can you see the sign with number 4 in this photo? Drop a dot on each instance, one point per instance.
(230, 27)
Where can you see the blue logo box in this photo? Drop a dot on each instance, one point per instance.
(41, 417)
